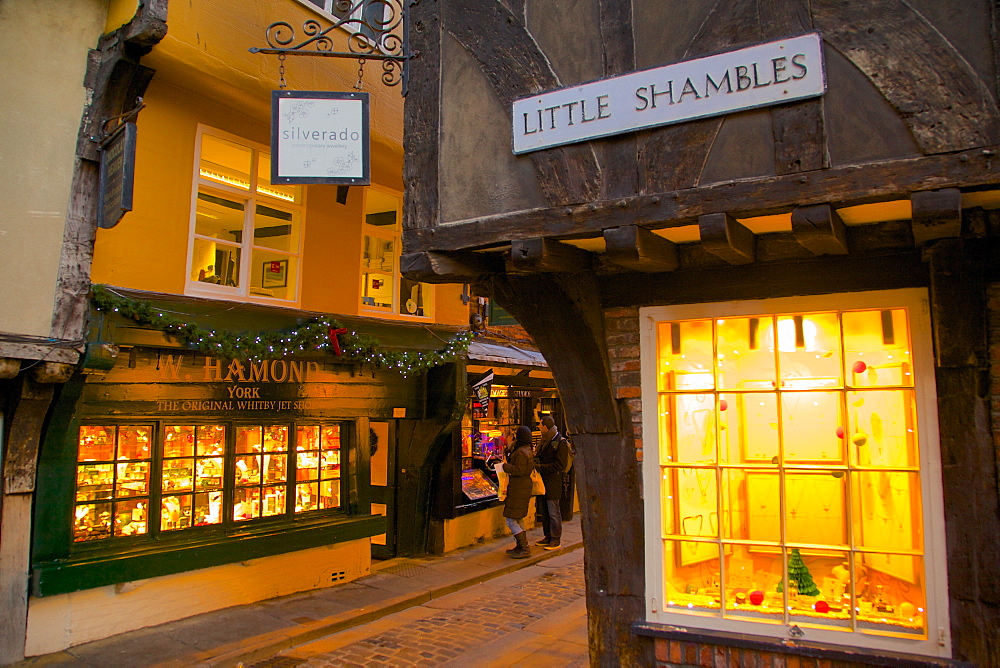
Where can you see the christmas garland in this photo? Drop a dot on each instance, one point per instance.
(318, 333)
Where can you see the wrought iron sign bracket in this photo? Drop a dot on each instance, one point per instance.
(370, 30)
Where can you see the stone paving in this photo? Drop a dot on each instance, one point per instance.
(458, 635)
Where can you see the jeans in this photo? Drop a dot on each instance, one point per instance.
(516, 526)
(551, 518)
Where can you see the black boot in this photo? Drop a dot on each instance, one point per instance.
(522, 550)
(515, 548)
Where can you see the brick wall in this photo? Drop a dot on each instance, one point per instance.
(621, 327)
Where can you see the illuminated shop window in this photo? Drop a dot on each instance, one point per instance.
(317, 482)
(794, 479)
(201, 476)
(383, 287)
(112, 482)
(246, 232)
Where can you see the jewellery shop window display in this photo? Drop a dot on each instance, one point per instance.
(165, 477)
(798, 476)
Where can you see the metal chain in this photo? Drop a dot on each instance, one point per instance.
(281, 71)
(361, 73)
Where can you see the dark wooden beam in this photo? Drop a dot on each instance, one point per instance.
(845, 185)
(421, 141)
(528, 256)
(639, 249)
(450, 266)
(496, 37)
(723, 236)
(896, 47)
(820, 229)
(937, 214)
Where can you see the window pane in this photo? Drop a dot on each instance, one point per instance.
(277, 229)
(273, 274)
(816, 508)
(685, 355)
(810, 593)
(889, 511)
(808, 350)
(749, 428)
(743, 362)
(882, 428)
(811, 427)
(691, 423)
(286, 193)
(216, 263)
(224, 161)
(378, 265)
(97, 444)
(692, 571)
(876, 348)
(890, 594)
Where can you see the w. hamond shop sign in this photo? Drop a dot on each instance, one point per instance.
(757, 76)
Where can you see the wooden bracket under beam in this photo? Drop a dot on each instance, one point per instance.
(540, 254)
(723, 236)
(449, 266)
(820, 230)
(639, 249)
(937, 214)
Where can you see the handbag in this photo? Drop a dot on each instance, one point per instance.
(502, 480)
(537, 486)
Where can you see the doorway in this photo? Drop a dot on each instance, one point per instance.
(382, 437)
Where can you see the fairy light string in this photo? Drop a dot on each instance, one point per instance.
(318, 333)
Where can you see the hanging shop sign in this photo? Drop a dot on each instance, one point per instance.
(757, 76)
(481, 396)
(117, 175)
(320, 137)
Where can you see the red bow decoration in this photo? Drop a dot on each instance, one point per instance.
(335, 342)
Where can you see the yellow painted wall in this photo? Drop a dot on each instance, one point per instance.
(41, 111)
(58, 622)
(120, 12)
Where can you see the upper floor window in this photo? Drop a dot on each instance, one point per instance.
(246, 233)
(383, 288)
(795, 481)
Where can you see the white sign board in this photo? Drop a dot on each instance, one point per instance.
(319, 137)
(765, 74)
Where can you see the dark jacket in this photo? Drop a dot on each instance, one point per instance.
(518, 466)
(553, 455)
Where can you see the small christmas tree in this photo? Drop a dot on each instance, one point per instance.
(800, 575)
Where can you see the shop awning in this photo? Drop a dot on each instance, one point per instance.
(505, 354)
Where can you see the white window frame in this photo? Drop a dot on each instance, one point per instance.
(326, 11)
(251, 197)
(915, 300)
(396, 235)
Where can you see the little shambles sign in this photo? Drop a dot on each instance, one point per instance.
(757, 76)
(320, 137)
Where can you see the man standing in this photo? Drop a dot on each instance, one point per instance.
(553, 459)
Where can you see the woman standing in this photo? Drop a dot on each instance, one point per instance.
(519, 465)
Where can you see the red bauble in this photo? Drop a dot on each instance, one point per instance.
(723, 404)
(840, 432)
(822, 606)
(859, 367)
(756, 597)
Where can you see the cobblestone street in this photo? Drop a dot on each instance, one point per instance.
(533, 617)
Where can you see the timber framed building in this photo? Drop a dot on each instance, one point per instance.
(769, 320)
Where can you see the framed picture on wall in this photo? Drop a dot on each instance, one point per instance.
(274, 274)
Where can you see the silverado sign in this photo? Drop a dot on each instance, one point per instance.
(757, 76)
